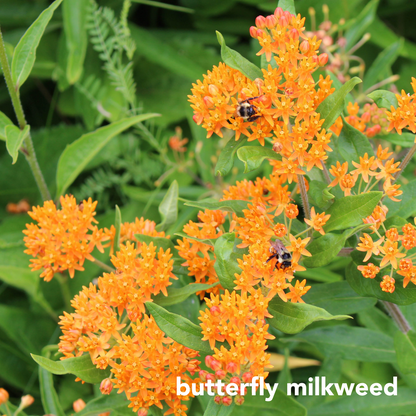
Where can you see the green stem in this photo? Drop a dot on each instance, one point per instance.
(8, 413)
(326, 174)
(397, 316)
(104, 266)
(405, 161)
(66, 294)
(27, 147)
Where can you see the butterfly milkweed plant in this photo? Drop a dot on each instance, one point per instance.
(178, 214)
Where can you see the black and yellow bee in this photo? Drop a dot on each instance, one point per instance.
(247, 111)
(281, 254)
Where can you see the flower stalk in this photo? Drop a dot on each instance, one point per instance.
(397, 316)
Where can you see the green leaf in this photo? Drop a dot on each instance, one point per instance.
(320, 194)
(384, 60)
(78, 154)
(281, 405)
(24, 55)
(352, 343)
(352, 143)
(292, 318)
(333, 105)
(160, 242)
(214, 409)
(168, 208)
(226, 159)
(320, 274)
(253, 156)
(402, 404)
(405, 345)
(178, 328)
(81, 367)
(349, 211)
(407, 207)
(287, 5)
(74, 15)
(226, 264)
(117, 403)
(337, 298)
(371, 287)
(21, 278)
(208, 241)
(178, 295)
(403, 140)
(363, 20)
(235, 206)
(14, 139)
(4, 121)
(384, 99)
(234, 60)
(117, 225)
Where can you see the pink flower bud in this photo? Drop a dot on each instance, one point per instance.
(106, 386)
(235, 380)
(283, 21)
(293, 34)
(231, 367)
(366, 117)
(218, 399)
(208, 360)
(342, 42)
(315, 59)
(327, 40)
(203, 375)
(78, 405)
(253, 32)
(261, 22)
(215, 365)
(211, 377)
(208, 101)
(215, 310)
(220, 374)
(227, 400)
(238, 400)
(304, 46)
(271, 22)
(278, 12)
(142, 412)
(27, 400)
(323, 59)
(260, 33)
(247, 377)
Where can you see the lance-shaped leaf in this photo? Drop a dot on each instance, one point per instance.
(253, 156)
(208, 241)
(407, 206)
(160, 242)
(116, 403)
(4, 122)
(226, 159)
(292, 318)
(405, 345)
(168, 208)
(384, 99)
(333, 105)
(81, 367)
(287, 5)
(235, 206)
(349, 211)
(78, 154)
(178, 295)
(24, 55)
(320, 194)
(178, 328)
(117, 225)
(235, 60)
(14, 140)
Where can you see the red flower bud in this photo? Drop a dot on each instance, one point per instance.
(261, 22)
(78, 405)
(218, 399)
(215, 310)
(203, 375)
(238, 400)
(106, 386)
(323, 59)
(220, 374)
(235, 380)
(253, 32)
(271, 22)
(304, 46)
(231, 367)
(247, 377)
(278, 12)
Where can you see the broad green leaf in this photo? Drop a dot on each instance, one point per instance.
(371, 287)
(117, 225)
(234, 60)
(320, 274)
(235, 206)
(287, 5)
(352, 343)
(253, 156)
(281, 405)
(208, 241)
(14, 139)
(20, 277)
(81, 367)
(117, 403)
(384, 99)
(405, 345)
(363, 20)
(407, 207)
(178, 295)
(320, 194)
(333, 105)
(403, 140)
(78, 154)
(24, 55)
(352, 144)
(74, 14)
(160, 242)
(384, 60)
(226, 159)
(402, 404)
(178, 328)
(349, 211)
(4, 121)
(377, 320)
(214, 409)
(168, 208)
(226, 264)
(337, 298)
(292, 318)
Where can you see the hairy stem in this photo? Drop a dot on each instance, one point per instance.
(397, 316)
(326, 174)
(405, 161)
(27, 147)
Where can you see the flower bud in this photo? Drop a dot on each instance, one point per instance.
(227, 400)
(342, 42)
(283, 21)
(208, 360)
(261, 22)
(220, 374)
(215, 365)
(78, 405)
(203, 375)
(4, 396)
(327, 40)
(304, 46)
(211, 377)
(208, 101)
(235, 380)
(253, 32)
(213, 89)
(323, 59)
(315, 59)
(278, 12)
(142, 412)
(247, 377)
(238, 400)
(26, 401)
(106, 386)
(218, 399)
(215, 310)
(231, 367)
(366, 117)
(293, 34)
(271, 22)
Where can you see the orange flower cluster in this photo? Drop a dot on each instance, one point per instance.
(262, 108)
(240, 321)
(391, 249)
(379, 168)
(199, 256)
(143, 361)
(372, 122)
(63, 238)
(404, 116)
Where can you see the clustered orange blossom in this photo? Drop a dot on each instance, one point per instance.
(109, 323)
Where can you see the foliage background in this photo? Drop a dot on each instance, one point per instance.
(173, 49)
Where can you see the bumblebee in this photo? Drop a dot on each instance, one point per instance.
(247, 111)
(281, 254)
